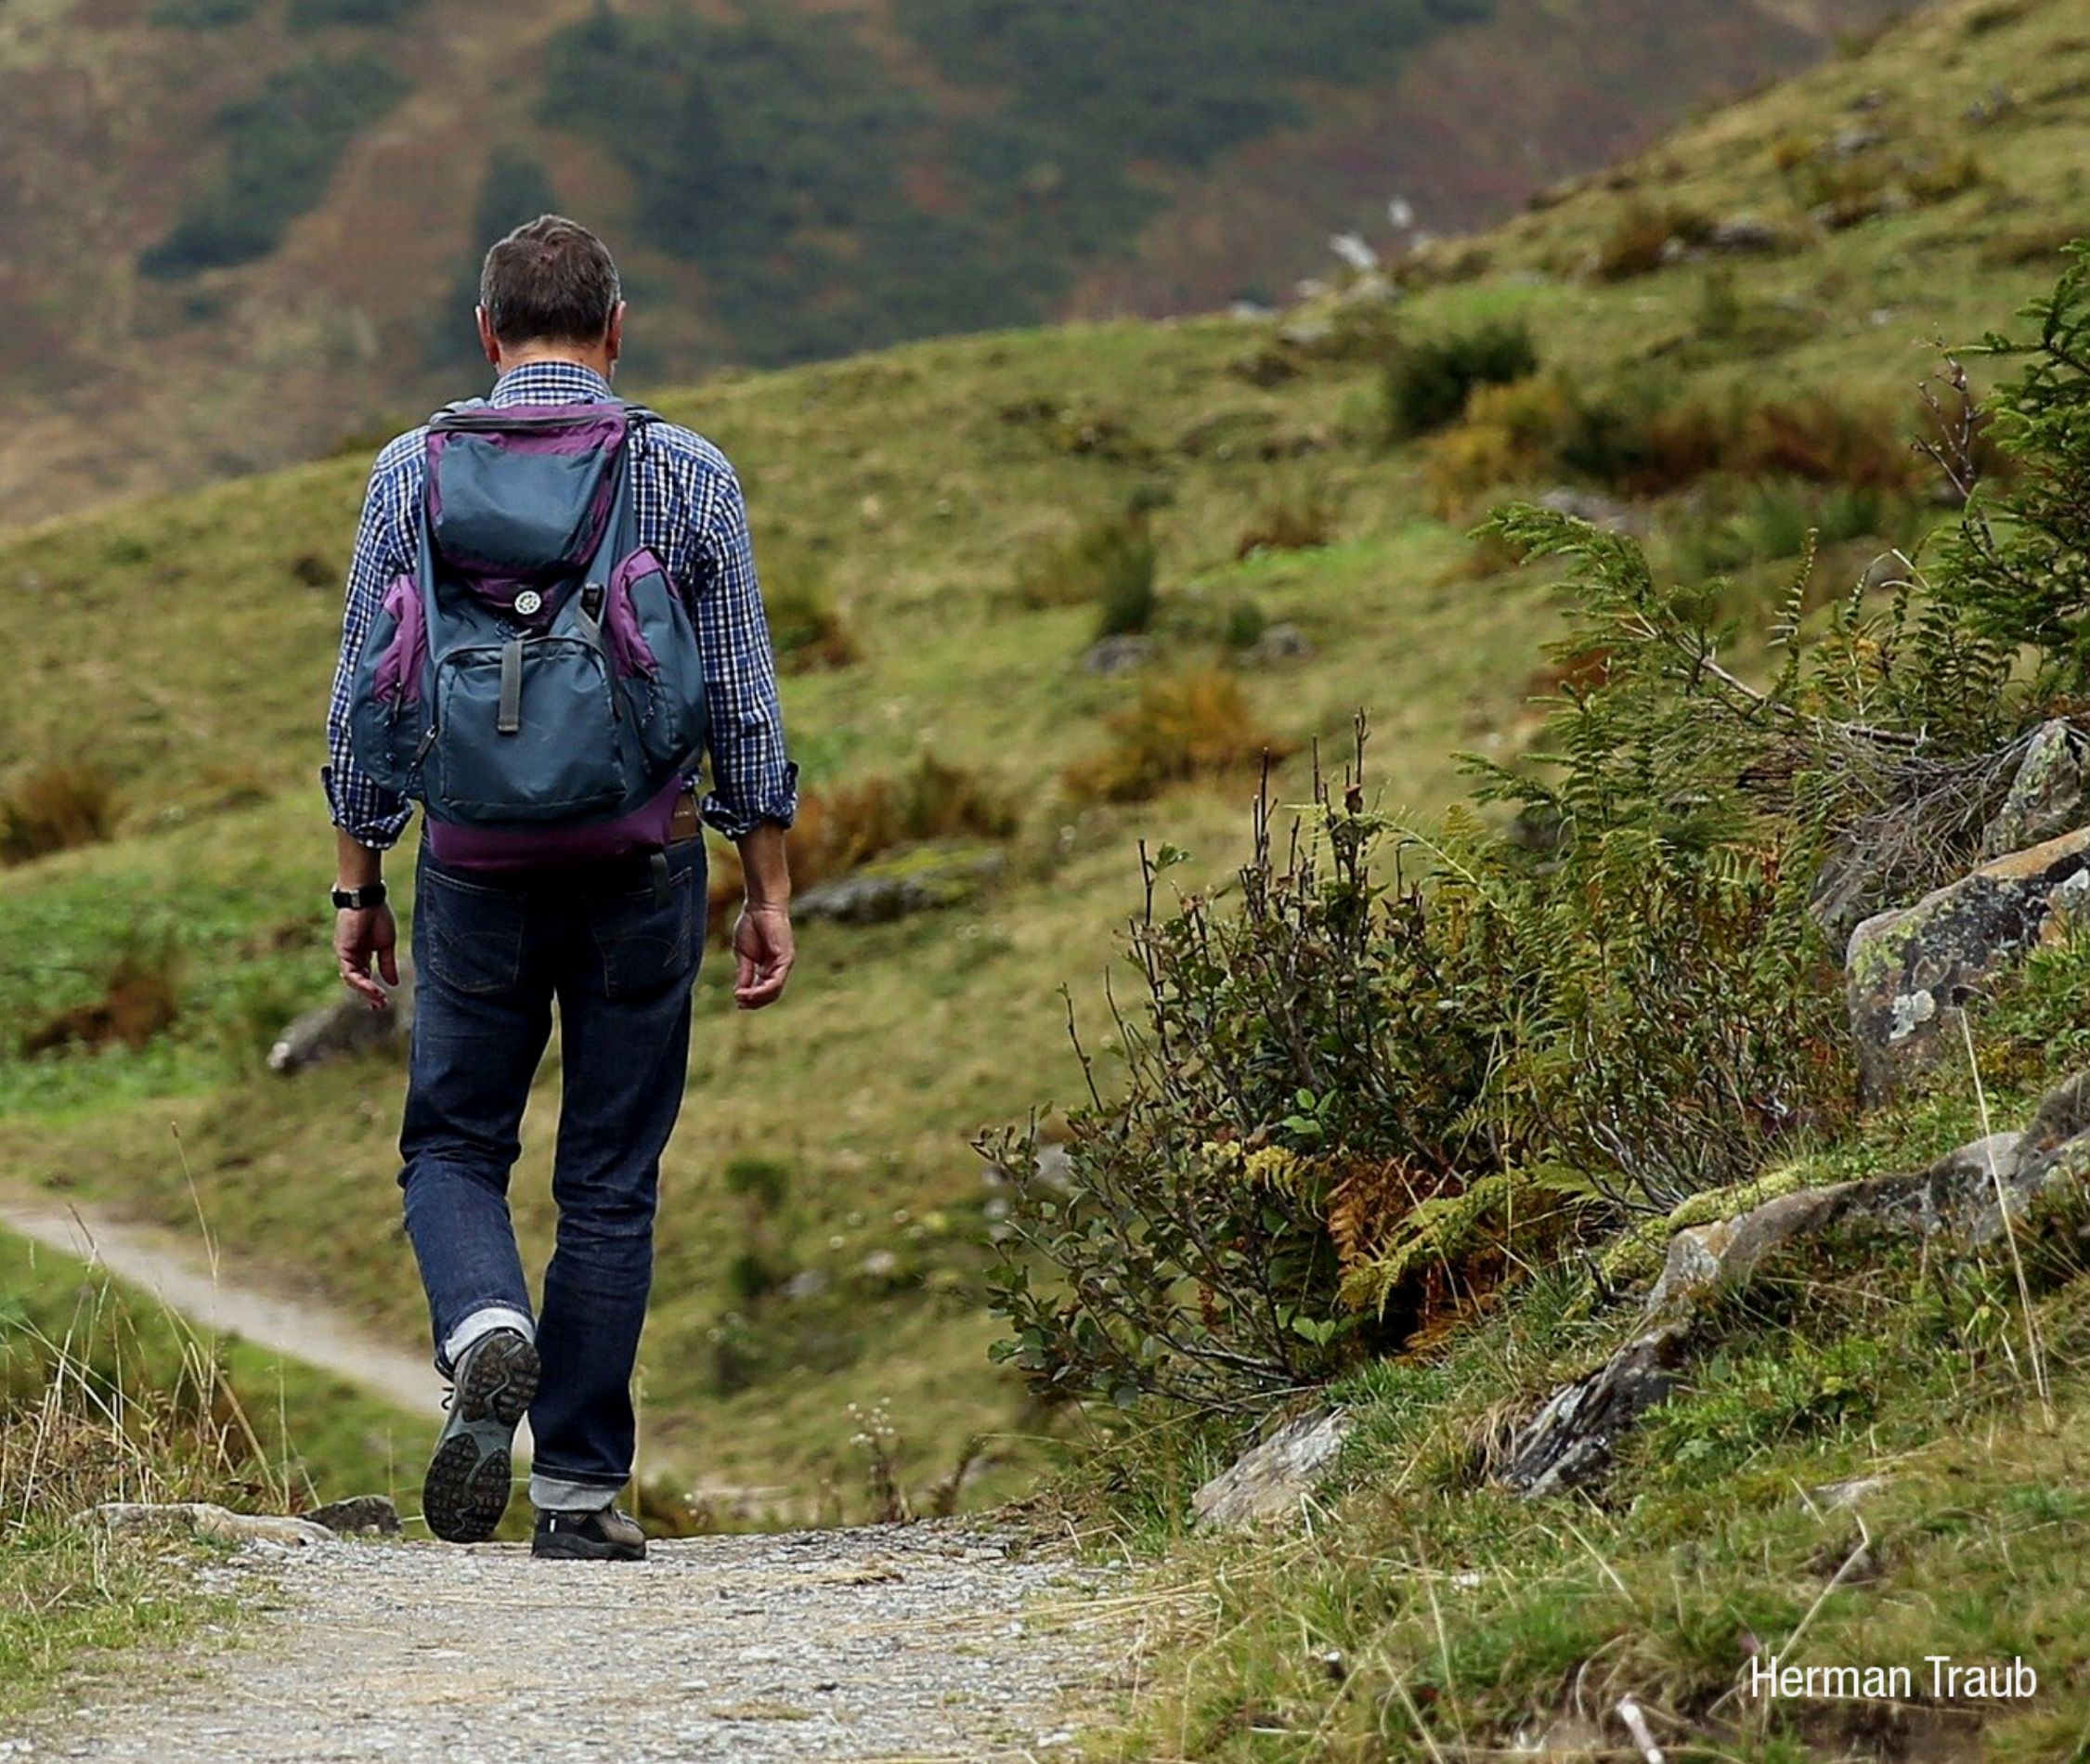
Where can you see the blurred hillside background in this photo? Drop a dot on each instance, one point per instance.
(236, 233)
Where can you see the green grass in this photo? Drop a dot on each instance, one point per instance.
(1426, 1613)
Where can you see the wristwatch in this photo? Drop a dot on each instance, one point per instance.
(357, 899)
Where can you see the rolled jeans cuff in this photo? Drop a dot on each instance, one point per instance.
(555, 1494)
(476, 1327)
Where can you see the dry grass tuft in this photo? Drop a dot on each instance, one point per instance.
(56, 807)
(1299, 517)
(139, 1000)
(1195, 725)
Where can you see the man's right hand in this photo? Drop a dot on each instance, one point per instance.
(364, 936)
(763, 953)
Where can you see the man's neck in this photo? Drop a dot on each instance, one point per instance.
(596, 362)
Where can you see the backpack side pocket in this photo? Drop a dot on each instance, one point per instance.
(661, 671)
(388, 712)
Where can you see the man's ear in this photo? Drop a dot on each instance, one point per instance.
(613, 339)
(488, 340)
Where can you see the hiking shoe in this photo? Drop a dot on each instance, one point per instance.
(465, 1491)
(606, 1535)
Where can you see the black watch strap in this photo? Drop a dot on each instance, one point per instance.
(357, 899)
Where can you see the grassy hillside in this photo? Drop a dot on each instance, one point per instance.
(274, 209)
(922, 503)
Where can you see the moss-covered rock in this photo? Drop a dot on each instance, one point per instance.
(1909, 971)
(922, 879)
(2049, 797)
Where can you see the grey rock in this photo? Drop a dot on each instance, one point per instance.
(1743, 234)
(1853, 1491)
(1279, 644)
(2050, 795)
(374, 1514)
(1570, 1440)
(1313, 332)
(1910, 971)
(1268, 1483)
(1118, 654)
(923, 880)
(205, 1519)
(1598, 509)
(808, 1283)
(1849, 143)
(346, 1028)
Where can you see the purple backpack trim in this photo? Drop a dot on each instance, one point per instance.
(644, 829)
(620, 618)
(400, 669)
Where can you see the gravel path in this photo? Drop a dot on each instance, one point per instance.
(927, 1642)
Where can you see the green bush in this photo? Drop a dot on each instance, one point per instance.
(281, 146)
(1347, 1107)
(1427, 385)
(1109, 563)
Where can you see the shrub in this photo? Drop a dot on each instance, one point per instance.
(1426, 386)
(808, 629)
(1194, 725)
(55, 809)
(1187, 1234)
(1512, 435)
(1244, 627)
(139, 999)
(1640, 239)
(1299, 517)
(1126, 600)
(1110, 563)
(1825, 440)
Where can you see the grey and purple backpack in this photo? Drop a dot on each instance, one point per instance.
(536, 684)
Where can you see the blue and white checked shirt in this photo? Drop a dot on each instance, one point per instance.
(691, 512)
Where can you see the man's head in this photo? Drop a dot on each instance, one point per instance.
(550, 292)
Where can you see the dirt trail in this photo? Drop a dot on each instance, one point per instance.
(177, 1272)
(927, 1642)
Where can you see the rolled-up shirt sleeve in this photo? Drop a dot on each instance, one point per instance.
(753, 780)
(370, 815)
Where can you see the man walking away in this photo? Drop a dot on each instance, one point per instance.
(551, 610)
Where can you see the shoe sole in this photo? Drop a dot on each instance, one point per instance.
(567, 1548)
(466, 1489)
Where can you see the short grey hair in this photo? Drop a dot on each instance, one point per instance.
(551, 281)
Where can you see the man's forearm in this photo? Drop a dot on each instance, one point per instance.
(765, 871)
(356, 865)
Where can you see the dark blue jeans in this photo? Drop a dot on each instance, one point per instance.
(491, 955)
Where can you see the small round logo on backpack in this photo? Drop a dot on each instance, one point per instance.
(528, 601)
